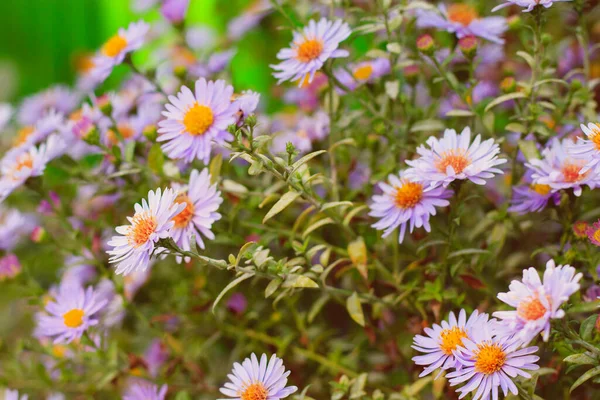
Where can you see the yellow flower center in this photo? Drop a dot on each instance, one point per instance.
(595, 138)
(183, 218)
(73, 318)
(198, 119)
(540, 189)
(596, 235)
(305, 81)
(571, 173)
(114, 46)
(125, 132)
(531, 309)
(363, 73)
(463, 14)
(451, 339)
(59, 351)
(409, 194)
(142, 226)
(490, 358)
(309, 50)
(23, 135)
(22, 161)
(256, 391)
(453, 158)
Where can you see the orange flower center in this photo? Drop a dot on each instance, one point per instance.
(596, 235)
(59, 351)
(455, 159)
(125, 132)
(409, 194)
(463, 14)
(595, 138)
(571, 173)
(73, 318)
(540, 189)
(198, 119)
(490, 358)
(363, 73)
(142, 226)
(23, 135)
(23, 161)
(256, 391)
(531, 309)
(451, 339)
(114, 46)
(183, 218)
(309, 50)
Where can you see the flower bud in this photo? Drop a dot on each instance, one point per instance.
(426, 44)
(38, 234)
(150, 133)
(411, 74)
(508, 84)
(105, 105)
(468, 46)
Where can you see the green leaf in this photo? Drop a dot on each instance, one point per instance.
(283, 202)
(215, 168)
(231, 285)
(336, 204)
(355, 309)
(528, 58)
(272, 287)
(316, 225)
(156, 158)
(316, 308)
(580, 359)
(586, 376)
(428, 125)
(394, 47)
(459, 113)
(357, 390)
(392, 88)
(299, 281)
(504, 98)
(306, 159)
(586, 330)
(467, 252)
(516, 127)
(183, 396)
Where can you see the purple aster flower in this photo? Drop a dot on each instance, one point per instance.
(78, 270)
(237, 303)
(248, 19)
(201, 37)
(219, 61)
(532, 197)
(156, 355)
(14, 395)
(489, 363)
(17, 169)
(528, 5)
(363, 72)
(70, 313)
(463, 20)
(13, 226)
(406, 202)
(316, 126)
(455, 157)
(258, 380)
(202, 200)
(58, 98)
(442, 341)
(194, 120)
(140, 389)
(588, 149)
(307, 95)
(593, 233)
(592, 293)
(310, 48)
(536, 302)
(152, 221)
(246, 103)
(359, 176)
(559, 170)
(9, 267)
(174, 10)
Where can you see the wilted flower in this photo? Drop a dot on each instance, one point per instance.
(442, 341)
(463, 20)
(195, 120)
(536, 302)
(529, 5)
(406, 202)
(70, 313)
(455, 157)
(258, 380)
(152, 221)
(140, 389)
(317, 43)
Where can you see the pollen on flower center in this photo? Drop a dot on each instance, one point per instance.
(363, 73)
(453, 158)
(184, 217)
(23, 161)
(451, 338)
(409, 194)
(463, 14)
(198, 119)
(489, 358)
(23, 135)
(309, 50)
(73, 318)
(540, 189)
(114, 46)
(571, 173)
(256, 391)
(531, 309)
(142, 227)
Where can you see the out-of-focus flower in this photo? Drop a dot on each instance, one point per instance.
(310, 48)
(245, 104)
(588, 149)
(442, 341)
(248, 19)
(533, 197)
(490, 363)
(536, 302)
(134, 281)
(237, 303)
(201, 200)
(363, 72)
(454, 157)
(593, 233)
(6, 113)
(156, 355)
(16, 170)
(528, 5)
(258, 380)
(580, 229)
(406, 202)
(592, 293)
(70, 313)
(559, 170)
(58, 98)
(151, 222)
(200, 37)
(307, 95)
(195, 120)
(174, 10)
(463, 20)
(14, 395)
(9, 267)
(13, 226)
(359, 176)
(140, 389)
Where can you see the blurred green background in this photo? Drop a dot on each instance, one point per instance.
(41, 38)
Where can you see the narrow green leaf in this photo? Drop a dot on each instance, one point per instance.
(586, 376)
(231, 285)
(505, 98)
(316, 225)
(272, 287)
(586, 330)
(283, 202)
(355, 309)
(306, 159)
(299, 281)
